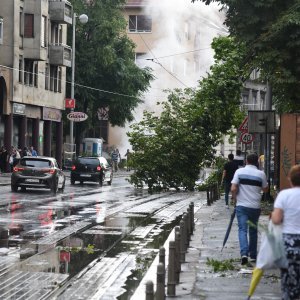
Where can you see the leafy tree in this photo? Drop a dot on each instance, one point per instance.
(170, 149)
(270, 30)
(106, 73)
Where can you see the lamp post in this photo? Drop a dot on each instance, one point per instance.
(83, 19)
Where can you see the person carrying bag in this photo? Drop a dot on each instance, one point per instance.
(287, 212)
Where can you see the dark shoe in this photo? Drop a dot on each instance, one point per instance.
(253, 260)
(244, 260)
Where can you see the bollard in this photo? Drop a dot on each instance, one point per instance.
(149, 290)
(215, 192)
(208, 198)
(162, 255)
(211, 194)
(192, 217)
(160, 282)
(189, 223)
(171, 287)
(182, 245)
(186, 229)
(177, 255)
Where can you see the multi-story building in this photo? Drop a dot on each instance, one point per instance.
(33, 61)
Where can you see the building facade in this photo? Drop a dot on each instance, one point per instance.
(33, 61)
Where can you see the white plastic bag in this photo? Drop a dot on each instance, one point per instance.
(271, 254)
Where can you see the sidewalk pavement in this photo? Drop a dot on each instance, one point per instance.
(197, 279)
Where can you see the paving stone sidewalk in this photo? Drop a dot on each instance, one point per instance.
(197, 279)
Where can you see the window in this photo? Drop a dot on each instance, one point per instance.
(1, 30)
(59, 74)
(21, 69)
(47, 77)
(28, 72)
(139, 57)
(21, 22)
(36, 73)
(44, 32)
(55, 79)
(140, 23)
(29, 26)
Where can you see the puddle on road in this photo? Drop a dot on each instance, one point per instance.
(136, 233)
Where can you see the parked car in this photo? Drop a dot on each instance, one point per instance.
(95, 169)
(37, 172)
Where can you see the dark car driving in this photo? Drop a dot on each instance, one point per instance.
(37, 172)
(93, 169)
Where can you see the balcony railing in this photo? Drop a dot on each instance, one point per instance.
(61, 11)
(60, 55)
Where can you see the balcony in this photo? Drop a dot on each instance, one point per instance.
(60, 11)
(60, 55)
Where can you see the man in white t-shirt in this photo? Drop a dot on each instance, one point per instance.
(246, 187)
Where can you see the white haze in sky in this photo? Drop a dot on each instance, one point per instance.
(178, 50)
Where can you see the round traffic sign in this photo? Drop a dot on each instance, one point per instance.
(246, 138)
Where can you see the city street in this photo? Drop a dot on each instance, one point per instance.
(87, 243)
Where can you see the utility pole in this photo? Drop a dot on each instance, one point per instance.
(268, 135)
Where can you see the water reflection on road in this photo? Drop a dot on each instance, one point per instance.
(113, 232)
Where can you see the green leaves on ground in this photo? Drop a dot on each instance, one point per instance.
(221, 266)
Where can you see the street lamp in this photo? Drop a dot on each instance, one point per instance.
(82, 19)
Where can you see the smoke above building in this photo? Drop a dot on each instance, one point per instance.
(177, 49)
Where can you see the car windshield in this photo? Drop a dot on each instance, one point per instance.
(88, 161)
(36, 163)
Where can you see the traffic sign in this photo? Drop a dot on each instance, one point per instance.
(244, 126)
(246, 138)
(70, 103)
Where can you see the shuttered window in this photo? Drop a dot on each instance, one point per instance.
(28, 26)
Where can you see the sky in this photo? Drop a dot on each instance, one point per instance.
(180, 54)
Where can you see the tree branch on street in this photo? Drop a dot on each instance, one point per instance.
(170, 149)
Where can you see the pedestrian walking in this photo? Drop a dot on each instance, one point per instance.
(229, 169)
(3, 159)
(287, 212)
(115, 159)
(128, 155)
(247, 184)
(33, 151)
(239, 159)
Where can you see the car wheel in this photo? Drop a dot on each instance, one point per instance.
(14, 188)
(54, 188)
(72, 181)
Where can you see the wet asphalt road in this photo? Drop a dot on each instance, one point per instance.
(89, 242)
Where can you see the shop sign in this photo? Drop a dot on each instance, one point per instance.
(19, 109)
(64, 256)
(51, 114)
(77, 116)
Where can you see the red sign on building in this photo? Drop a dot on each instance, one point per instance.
(64, 256)
(70, 103)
